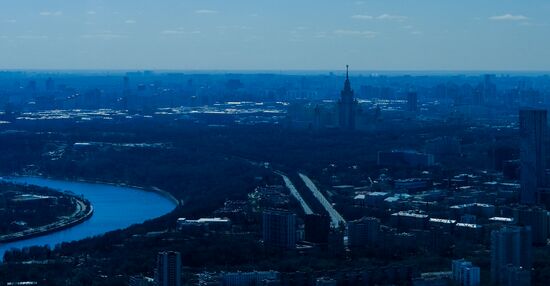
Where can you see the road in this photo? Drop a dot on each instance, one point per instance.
(294, 192)
(79, 213)
(335, 217)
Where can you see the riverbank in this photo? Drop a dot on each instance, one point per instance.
(151, 189)
(164, 193)
(84, 210)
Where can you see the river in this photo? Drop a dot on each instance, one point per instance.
(115, 207)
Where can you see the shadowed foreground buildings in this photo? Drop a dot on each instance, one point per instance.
(363, 232)
(317, 228)
(279, 229)
(511, 255)
(532, 126)
(465, 273)
(168, 271)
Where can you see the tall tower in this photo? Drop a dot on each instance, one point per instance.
(168, 271)
(347, 106)
(532, 128)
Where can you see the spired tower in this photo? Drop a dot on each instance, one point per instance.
(347, 106)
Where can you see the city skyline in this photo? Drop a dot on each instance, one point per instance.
(257, 35)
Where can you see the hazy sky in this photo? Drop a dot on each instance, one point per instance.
(275, 34)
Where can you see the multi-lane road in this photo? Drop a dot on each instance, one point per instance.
(335, 217)
(295, 193)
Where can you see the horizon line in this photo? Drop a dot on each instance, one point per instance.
(281, 71)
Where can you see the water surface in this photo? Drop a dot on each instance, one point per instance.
(115, 207)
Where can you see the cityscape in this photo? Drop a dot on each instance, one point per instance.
(239, 166)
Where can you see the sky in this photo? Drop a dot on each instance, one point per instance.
(377, 35)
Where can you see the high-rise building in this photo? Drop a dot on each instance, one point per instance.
(279, 229)
(510, 246)
(363, 232)
(168, 271)
(317, 228)
(533, 125)
(412, 101)
(347, 106)
(537, 219)
(465, 273)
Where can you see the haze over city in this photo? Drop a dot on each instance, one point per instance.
(274, 143)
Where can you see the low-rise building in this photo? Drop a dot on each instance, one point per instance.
(202, 225)
(409, 220)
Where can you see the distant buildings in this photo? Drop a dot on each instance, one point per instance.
(249, 278)
(347, 106)
(433, 279)
(412, 101)
(532, 127)
(371, 199)
(168, 271)
(409, 220)
(50, 84)
(412, 184)
(325, 281)
(510, 247)
(397, 158)
(270, 196)
(279, 229)
(443, 146)
(465, 274)
(203, 225)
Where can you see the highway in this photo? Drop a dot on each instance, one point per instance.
(294, 192)
(335, 217)
(78, 214)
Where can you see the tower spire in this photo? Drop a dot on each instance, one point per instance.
(347, 105)
(347, 85)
